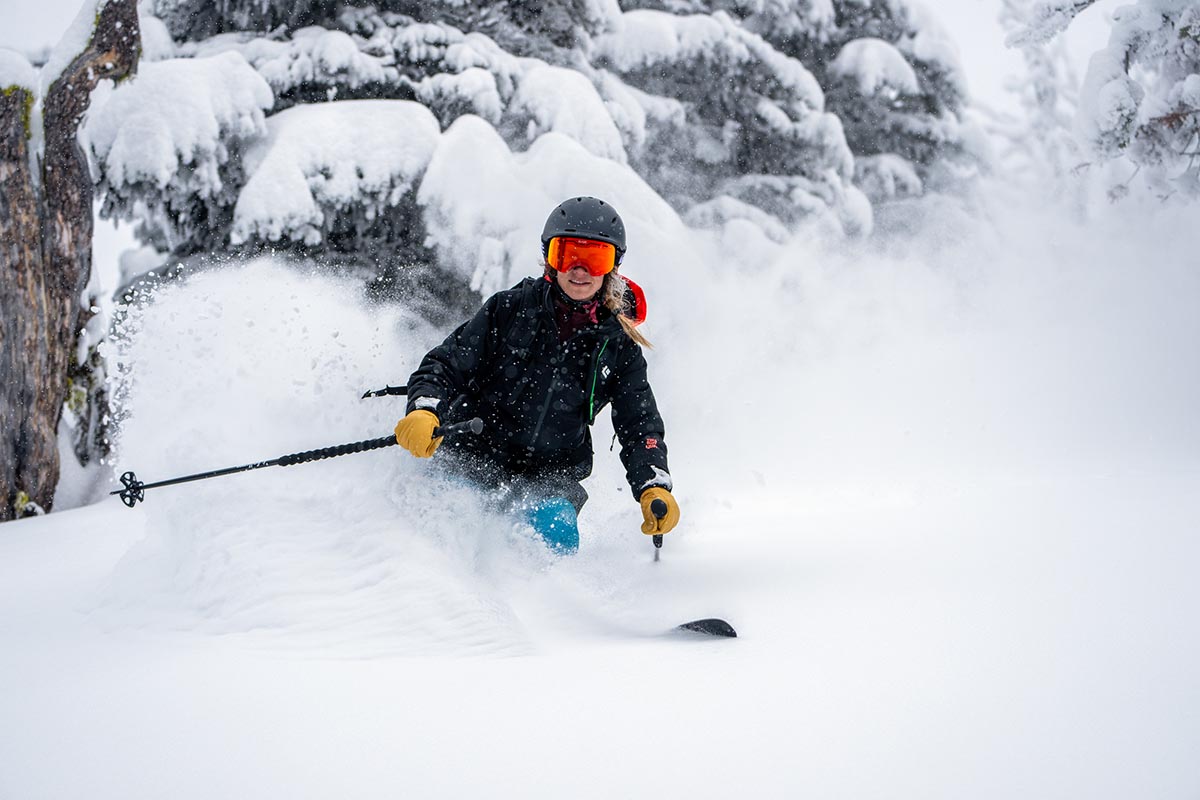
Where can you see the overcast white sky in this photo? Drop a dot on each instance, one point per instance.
(973, 24)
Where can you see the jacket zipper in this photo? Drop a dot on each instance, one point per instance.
(537, 429)
(595, 372)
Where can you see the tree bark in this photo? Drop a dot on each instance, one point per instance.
(46, 259)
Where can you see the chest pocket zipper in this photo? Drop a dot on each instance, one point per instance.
(595, 375)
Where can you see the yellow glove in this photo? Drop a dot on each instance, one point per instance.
(415, 433)
(653, 525)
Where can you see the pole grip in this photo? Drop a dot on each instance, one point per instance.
(659, 509)
(474, 425)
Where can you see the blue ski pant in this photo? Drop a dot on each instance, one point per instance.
(549, 501)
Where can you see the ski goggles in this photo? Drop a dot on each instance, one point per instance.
(566, 252)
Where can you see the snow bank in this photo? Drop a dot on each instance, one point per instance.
(319, 161)
(172, 122)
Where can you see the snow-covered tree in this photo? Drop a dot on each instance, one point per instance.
(1140, 99)
(891, 76)
(740, 119)
(769, 112)
(1048, 92)
(46, 297)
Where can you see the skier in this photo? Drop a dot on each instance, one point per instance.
(537, 363)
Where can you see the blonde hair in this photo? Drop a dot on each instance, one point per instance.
(612, 297)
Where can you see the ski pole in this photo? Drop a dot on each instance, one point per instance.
(135, 490)
(659, 509)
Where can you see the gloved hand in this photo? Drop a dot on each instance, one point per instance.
(415, 433)
(653, 525)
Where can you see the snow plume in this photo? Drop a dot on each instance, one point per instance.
(1029, 344)
(891, 384)
(369, 555)
(261, 343)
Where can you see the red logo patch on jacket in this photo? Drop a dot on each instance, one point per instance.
(651, 443)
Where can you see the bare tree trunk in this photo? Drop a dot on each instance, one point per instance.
(23, 301)
(46, 258)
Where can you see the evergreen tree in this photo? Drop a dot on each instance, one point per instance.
(770, 111)
(1049, 95)
(1140, 100)
(889, 74)
(742, 119)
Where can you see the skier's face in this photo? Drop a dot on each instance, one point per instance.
(578, 283)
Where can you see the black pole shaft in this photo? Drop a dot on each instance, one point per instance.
(134, 488)
(284, 461)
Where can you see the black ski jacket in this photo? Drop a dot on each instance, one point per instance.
(538, 396)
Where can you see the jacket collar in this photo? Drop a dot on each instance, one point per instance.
(544, 290)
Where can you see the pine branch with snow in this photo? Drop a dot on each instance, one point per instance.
(1043, 144)
(1045, 20)
(1141, 97)
(168, 147)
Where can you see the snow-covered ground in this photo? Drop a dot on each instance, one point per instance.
(946, 487)
(947, 492)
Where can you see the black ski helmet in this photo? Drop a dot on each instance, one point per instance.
(586, 218)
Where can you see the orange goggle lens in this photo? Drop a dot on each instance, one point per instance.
(565, 252)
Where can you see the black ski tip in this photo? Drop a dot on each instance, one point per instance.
(709, 627)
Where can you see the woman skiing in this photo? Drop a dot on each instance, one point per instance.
(536, 364)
